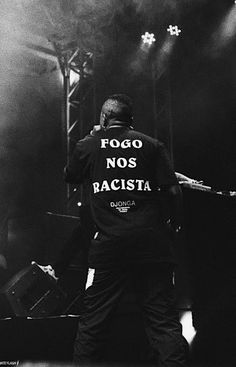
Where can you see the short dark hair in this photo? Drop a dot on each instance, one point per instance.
(118, 106)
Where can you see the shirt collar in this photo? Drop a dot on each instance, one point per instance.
(117, 123)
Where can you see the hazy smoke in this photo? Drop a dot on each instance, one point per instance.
(21, 97)
(159, 11)
(225, 34)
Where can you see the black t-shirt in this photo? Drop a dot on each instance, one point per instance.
(126, 170)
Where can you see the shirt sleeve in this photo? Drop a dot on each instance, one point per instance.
(77, 171)
(165, 174)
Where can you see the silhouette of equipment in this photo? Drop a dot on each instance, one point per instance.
(31, 293)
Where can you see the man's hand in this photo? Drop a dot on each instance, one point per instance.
(96, 128)
(47, 269)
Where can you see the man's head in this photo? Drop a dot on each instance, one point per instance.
(117, 107)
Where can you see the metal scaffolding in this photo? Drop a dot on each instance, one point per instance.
(78, 83)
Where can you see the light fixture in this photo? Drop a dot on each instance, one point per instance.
(148, 38)
(174, 30)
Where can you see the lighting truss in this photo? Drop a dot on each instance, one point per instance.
(74, 60)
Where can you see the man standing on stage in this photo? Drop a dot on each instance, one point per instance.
(129, 173)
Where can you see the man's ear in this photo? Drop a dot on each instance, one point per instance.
(103, 120)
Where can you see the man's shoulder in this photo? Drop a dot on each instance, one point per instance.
(88, 141)
(92, 140)
(145, 138)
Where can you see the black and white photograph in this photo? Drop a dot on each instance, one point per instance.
(118, 183)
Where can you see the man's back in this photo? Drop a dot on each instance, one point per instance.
(125, 170)
(130, 163)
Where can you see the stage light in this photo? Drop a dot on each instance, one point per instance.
(174, 30)
(148, 38)
(189, 331)
(79, 204)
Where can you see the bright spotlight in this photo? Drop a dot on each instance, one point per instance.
(174, 30)
(79, 204)
(148, 38)
(189, 331)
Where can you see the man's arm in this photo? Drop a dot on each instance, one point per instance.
(76, 171)
(73, 172)
(175, 199)
(168, 184)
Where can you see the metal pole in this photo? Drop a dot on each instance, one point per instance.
(69, 60)
(170, 120)
(155, 114)
(67, 112)
(163, 124)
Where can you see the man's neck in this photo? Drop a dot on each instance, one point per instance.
(117, 123)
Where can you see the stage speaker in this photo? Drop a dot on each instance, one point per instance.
(31, 292)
